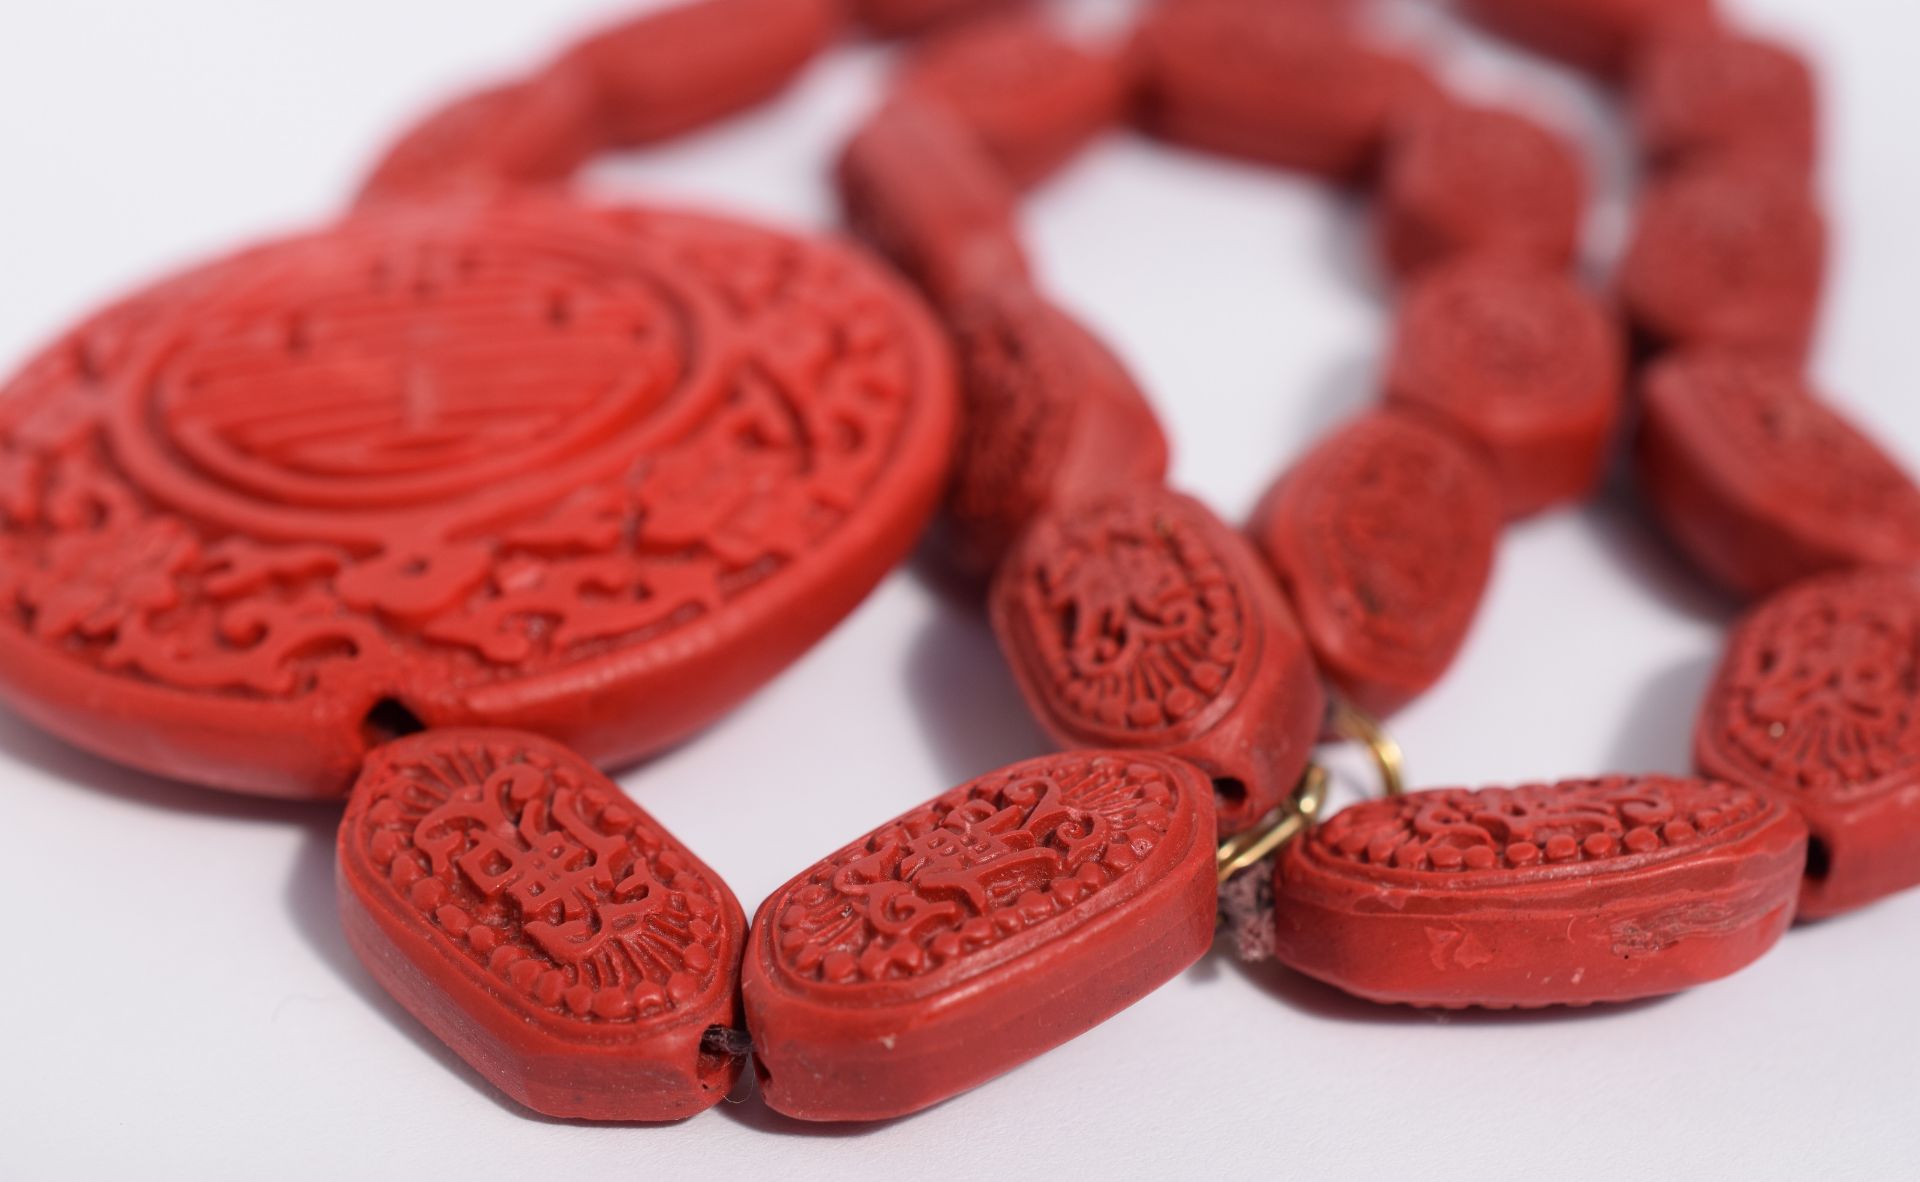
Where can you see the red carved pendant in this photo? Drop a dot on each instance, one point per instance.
(1711, 93)
(1462, 181)
(1047, 415)
(1816, 701)
(1523, 363)
(988, 926)
(1600, 35)
(1139, 621)
(1562, 894)
(919, 187)
(1032, 97)
(596, 474)
(1284, 83)
(1728, 253)
(541, 925)
(1383, 537)
(1761, 483)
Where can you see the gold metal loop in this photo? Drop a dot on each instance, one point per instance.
(1281, 826)
(1351, 723)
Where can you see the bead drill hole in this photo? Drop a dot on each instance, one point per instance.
(389, 719)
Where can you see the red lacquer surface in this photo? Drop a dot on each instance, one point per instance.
(1562, 894)
(541, 925)
(1760, 482)
(1483, 182)
(1047, 416)
(1030, 95)
(1816, 700)
(1710, 93)
(1285, 82)
(591, 473)
(521, 133)
(1522, 363)
(1383, 536)
(977, 931)
(1138, 620)
(1727, 252)
(895, 17)
(685, 65)
(1599, 35)
(918, 186)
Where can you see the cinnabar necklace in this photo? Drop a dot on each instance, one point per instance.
(483, 488)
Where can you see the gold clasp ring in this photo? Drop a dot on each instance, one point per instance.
(1284, 824)
(1356, 726)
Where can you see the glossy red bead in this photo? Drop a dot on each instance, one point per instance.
(1521, 363)
(1137, 620)
(1562, 894)
(1047, 416)
(1033, 97)
(1383, 536)
(988, 926)
(1816, 700)
(593, 473)
(1481, 183)
(1761, 483)
(542, 925)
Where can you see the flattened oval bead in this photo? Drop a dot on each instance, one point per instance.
(1523, 364)
(1479, 182)
(1383, 537)
(1138, 620)
(974, 933)
(918, 186)
(1032, 97)
(541, 924)
(1761, 483)
(1599, 35)
(1549, 894)
(1710, 93)
(1816, 700)
(1047, 415)
(1284, 83)
(1727, 253)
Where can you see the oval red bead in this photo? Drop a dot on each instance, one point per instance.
(1032, 97)
(1760, 482)
(1480, 182)
(1563, 894)
(994, 923)
(1816, 700)
(1140, 621)
(918, 186)
(523, 133)
(1047, 416)
(1383, 537)
(1599, 35)
(680, 67)
(1711, 93)
(541, 925)
(1523, 364)
(596, 474)
(1283, 83)
(1727, 253)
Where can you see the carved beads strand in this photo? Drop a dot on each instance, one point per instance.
(229, 536)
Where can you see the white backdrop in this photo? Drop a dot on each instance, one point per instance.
(178, 1000)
